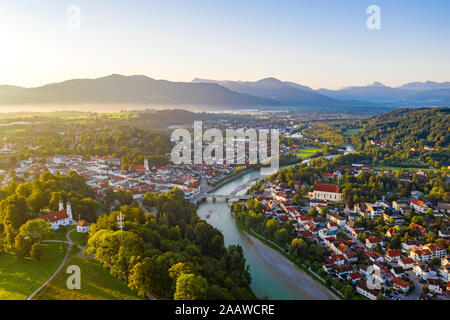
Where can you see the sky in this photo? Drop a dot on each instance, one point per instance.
(320, 43)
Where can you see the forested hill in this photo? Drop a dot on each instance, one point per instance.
(411, 128)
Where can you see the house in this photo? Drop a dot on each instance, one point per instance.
(63, 217)
(444, 233)
(82, 226)
(445, 261)
(409, 245)
(443, 207)
(342, 271)
(398, 219)
(372, 242)
(418, 206)
(397, 271)
(325, 233)
(400, 285)
(393, 255)
(437, 250)
(435, 285)
(419, 255)
(445, 273)
(332, 226)
(328, 192)
(351, 256)
(354, 277)
(374, 256)
(425, 271)
(367, 210)
(406, 263)
(401, 205)
(340, 221)
(361, 288)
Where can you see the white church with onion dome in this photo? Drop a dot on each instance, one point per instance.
(63, 217)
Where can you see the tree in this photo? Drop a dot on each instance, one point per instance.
(190, 287)
(347, 292)
(431, 236)
(271, 227)
(22, 244)
(36, 251)
(282, 237)
(140, 278)
(37, 200)
(36, 230)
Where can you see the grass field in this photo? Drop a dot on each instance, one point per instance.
(307, 152)
(96, 284)
(79, 238)
(350, 132)
(18, 279)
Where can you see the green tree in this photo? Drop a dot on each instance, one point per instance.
(36, 251)
(190, 287)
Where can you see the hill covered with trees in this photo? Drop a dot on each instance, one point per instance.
(173, 255)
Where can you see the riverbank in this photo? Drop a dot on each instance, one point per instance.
(279, 261)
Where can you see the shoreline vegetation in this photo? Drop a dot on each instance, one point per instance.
(299, 267)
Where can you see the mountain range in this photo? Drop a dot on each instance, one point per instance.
(213, 94)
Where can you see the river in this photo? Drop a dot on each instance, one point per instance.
(268, 278)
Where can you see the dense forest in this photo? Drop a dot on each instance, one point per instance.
(173, 255)
(406, 133)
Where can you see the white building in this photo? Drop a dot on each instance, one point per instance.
(82, 226)
(63, 217)
(328, 192)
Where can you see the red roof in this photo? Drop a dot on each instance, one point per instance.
(400, 282)
(373, 239)
(137, 168)
(82, 223)
(55, 216)
(326, 187)
(355, 275)
(393, 253)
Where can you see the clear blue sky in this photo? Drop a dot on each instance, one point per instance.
(317, 43)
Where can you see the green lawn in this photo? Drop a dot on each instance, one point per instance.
(79, 238)
(96, 284)
(307, 152)
(18, 279)
(350, 132)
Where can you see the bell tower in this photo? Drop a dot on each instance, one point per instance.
(146, 166)
(69, 210)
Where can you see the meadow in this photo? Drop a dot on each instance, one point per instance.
(18, 279)
(96, 284)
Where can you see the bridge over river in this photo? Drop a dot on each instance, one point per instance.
(219, 197)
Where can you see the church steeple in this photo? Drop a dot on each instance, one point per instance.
(69, 210)
(61, 205)
(147, 168)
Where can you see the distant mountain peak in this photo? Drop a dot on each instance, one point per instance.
(269, 80)
(377, 84)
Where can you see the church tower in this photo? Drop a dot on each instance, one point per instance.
(61, 205)
(69, 210)
(147, 168)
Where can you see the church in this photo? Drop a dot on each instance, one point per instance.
(138, 168)
(63, 217)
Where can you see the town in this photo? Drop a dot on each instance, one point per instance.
(373, 257)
